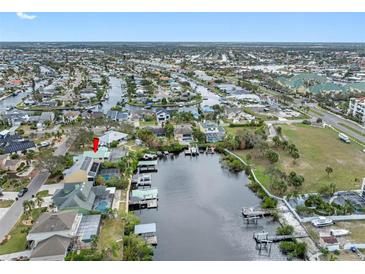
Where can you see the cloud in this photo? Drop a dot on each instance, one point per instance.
(23, 15)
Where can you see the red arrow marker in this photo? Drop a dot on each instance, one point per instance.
(96, 144)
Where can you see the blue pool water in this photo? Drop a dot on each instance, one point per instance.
(102, 206)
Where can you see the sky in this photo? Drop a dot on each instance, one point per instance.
(189, 27)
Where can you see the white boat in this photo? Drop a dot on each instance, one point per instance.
(339, 232)
(322, 221)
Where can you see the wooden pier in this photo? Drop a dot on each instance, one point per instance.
(265, 237)
(249, 212)
(192, 151)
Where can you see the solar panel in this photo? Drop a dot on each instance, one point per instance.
(85, 163)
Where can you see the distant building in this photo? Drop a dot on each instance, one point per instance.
(118, 116)
(183, 133)
(111, 136)
(162, 116)
(213, 132)
(357, 108)
(14, 143)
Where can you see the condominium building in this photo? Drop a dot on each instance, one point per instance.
(357, 108)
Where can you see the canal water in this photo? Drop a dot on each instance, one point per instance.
(115, 93)
(199, 217)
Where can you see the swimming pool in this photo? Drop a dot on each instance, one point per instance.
(102, 206)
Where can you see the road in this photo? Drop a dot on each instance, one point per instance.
(62, 148)
(339, 122)
(16, 210)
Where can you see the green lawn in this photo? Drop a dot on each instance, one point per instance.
(318, 149)
(234, 130)
(110, 238)
(43, 193)
(18, 241)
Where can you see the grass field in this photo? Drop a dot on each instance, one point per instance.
(318, 149)
(18, 241)
(110, 238)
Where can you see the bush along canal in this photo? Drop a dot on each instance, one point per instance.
(199, 212)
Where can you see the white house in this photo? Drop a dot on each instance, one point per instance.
(112, 136)
(162, 116)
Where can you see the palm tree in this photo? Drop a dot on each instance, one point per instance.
(28, 205)
(39, 200)
(329, 170)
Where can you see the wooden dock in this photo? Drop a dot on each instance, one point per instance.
(249, 212)
(262, 237)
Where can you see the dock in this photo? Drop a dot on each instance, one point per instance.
(249, 212)
(147, 232)
(147, 166)
(210, 150)
(144, 180)
(261, 237)
(192, 151)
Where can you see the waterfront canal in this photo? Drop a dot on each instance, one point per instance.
(115, 94)
(199, 217)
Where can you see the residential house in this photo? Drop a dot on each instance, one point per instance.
(83, 197)
(12, 164)
(213, 132)
(158, 131)
(112, 136)
(183, 133)
(101, 155)
(118, 116)
(14, 143)
(48, 224)
(84, 170)
(54, 248)
(162, 116)
(70, 116)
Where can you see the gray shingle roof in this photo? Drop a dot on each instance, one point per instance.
(48, 222)
(52, 246)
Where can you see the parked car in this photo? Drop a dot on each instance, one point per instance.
(22, 192)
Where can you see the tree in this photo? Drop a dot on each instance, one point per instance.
(39, 200)
(136, 249)
(328, 170)
(28, 205)
(276, 141)
(279, 130)
(169, 128)
(295, 180)
(279, 186)
(272, 156)
(295, 155)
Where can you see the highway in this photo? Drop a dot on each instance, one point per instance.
(339, 123)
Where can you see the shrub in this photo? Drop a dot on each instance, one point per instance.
(285, 230)
(269, 203)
